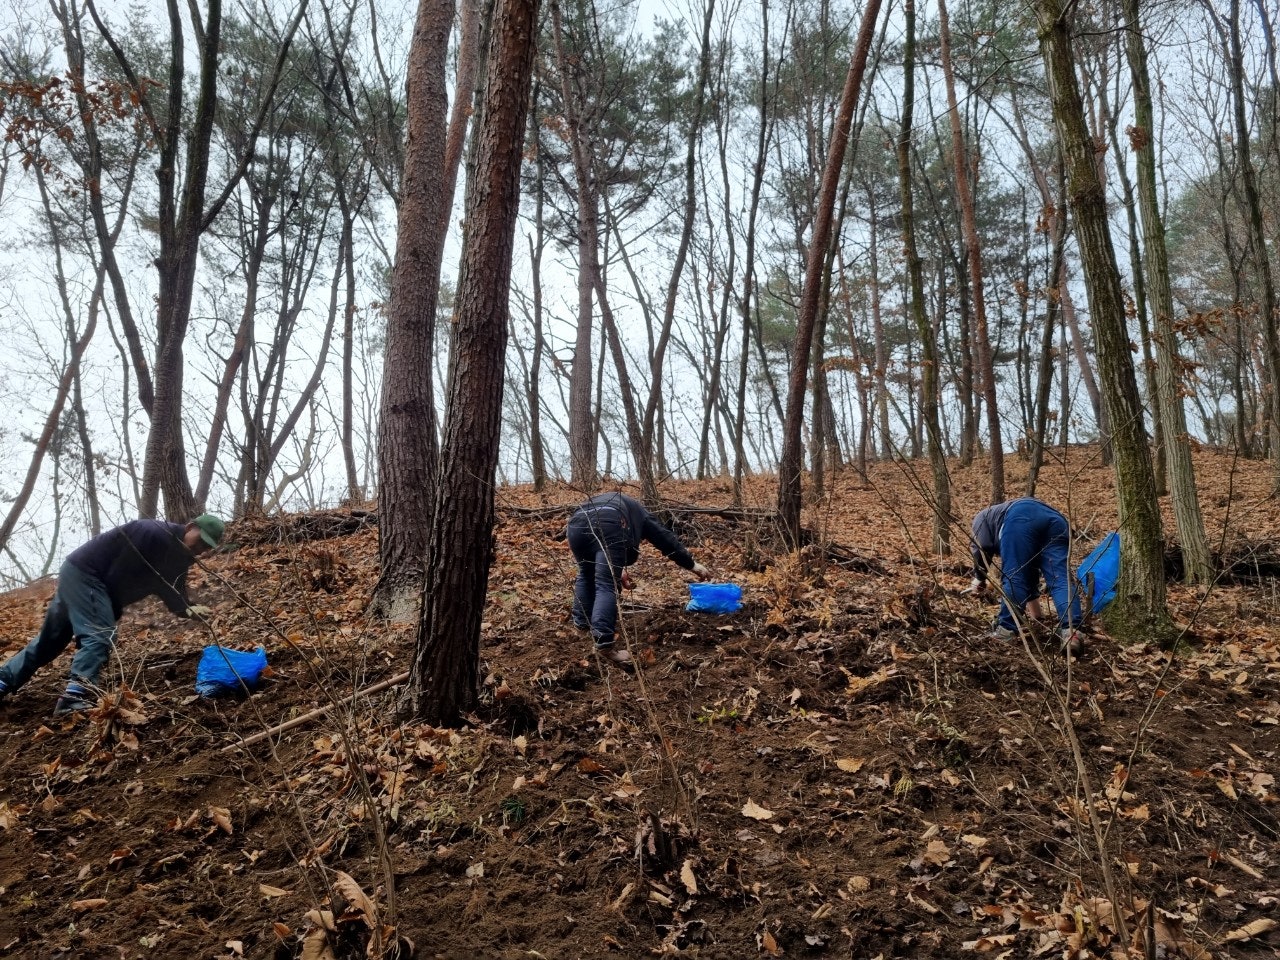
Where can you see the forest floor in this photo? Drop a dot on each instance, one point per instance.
(847, 767)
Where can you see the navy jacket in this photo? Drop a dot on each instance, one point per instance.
(142, 558)
(986, 536)
(639, 525)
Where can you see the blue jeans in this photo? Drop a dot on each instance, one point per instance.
(599, 541)
(1035, 540)
(80, 610)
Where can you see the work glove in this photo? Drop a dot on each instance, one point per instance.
(199, 611)
(701, 572)
(627, 582)
(976, 586)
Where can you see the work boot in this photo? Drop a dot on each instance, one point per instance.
(1072, 642)
(621, 658)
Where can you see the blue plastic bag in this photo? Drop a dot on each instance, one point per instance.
(714, 597)
(222, 670)
(1104, 565)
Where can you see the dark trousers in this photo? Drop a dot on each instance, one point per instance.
(1035, 540)
(80, 610)
(599, 540)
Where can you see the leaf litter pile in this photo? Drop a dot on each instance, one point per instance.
(847, 767)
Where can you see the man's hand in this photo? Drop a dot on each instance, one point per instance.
(199, 612)
(976, 586)
(627, 582)
(701, 572)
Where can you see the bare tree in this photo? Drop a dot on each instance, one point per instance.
(1197, 565)
(1139, 611)
(790, 465)
(445, 674)
(407, 450)
(929, 373)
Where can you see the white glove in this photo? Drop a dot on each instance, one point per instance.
(200, 611)
(701, 572)
(976, 586)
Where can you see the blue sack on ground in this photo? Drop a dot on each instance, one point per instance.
(714, 597)
(222, 670)
(1104, 565)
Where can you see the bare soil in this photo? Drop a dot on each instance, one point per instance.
(847, 767)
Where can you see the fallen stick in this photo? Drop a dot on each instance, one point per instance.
(318, 712)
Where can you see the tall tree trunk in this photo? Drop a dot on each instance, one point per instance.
(1044, 373)
(407, 453)
(537, 244)
(180, 226)
(1140, 308)
(582, 424)
(355, 489)
(790, 465)
(969, 223)
(929, 359)
(444, 678)
(1197, 565)
(1257, 238)
(648, 482)
(881, 372)
(1139, 609)
(748, 275)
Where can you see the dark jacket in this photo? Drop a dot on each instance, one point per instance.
(639, 525)
(142, 558)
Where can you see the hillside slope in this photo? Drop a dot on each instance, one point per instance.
(847, 767)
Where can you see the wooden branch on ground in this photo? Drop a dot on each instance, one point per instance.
(319, 712)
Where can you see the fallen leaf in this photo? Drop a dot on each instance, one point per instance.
(770, 945)
(322, 919)
(476, 870)
(9, 814)
(688, 879)
(282, 930)
(236, 947)
(315, 946)
(1251, 930)
(221, 817)
(587, 765)
(269, 891)
(356, 898)
(755, 811)
(986, 944)
(975, 841)
(849, 765)
(93, 903)
(937, 853)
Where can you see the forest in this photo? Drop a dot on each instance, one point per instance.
(392, 287)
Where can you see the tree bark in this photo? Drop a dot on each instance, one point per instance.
(929, 360)
(969, 223)
(407, 451)
(1257, 239)
(1197, 564)
(790, 465)
(583, 470)
(1139, 610)
(445, 673)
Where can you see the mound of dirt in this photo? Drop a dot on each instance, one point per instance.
(847, 767)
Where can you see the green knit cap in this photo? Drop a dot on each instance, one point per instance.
(211, 528)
